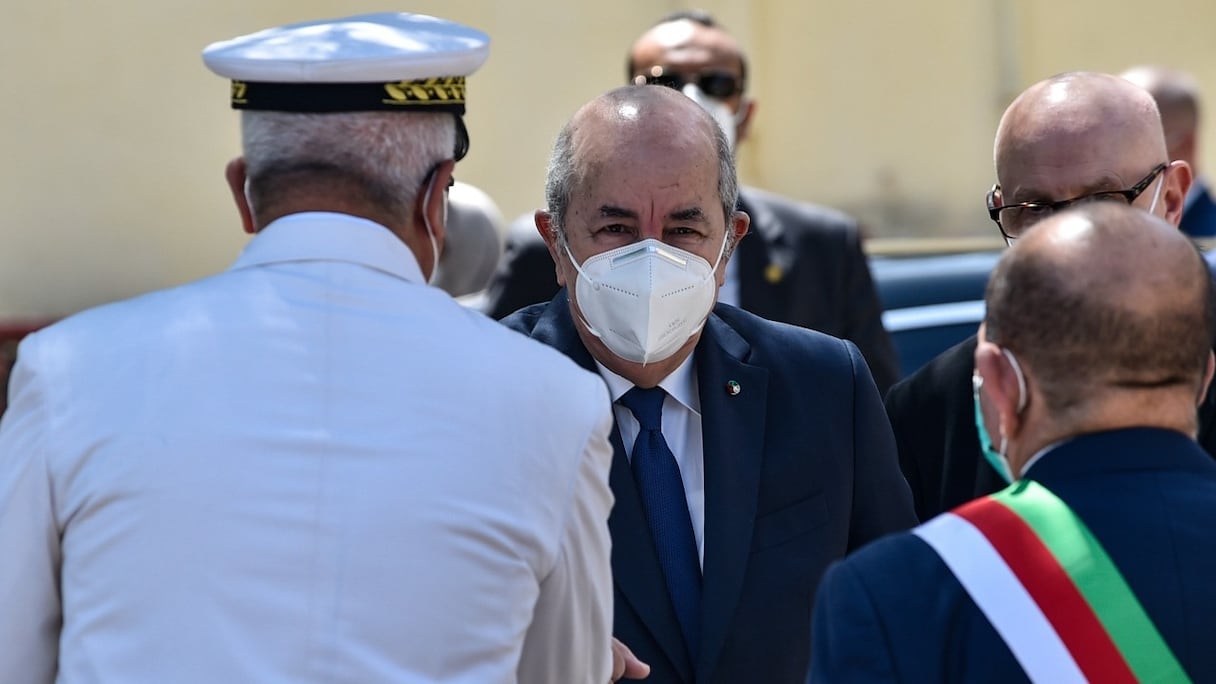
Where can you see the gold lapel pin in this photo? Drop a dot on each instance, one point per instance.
(773, 273)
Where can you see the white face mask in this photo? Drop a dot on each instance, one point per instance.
(644, 300)
(727, 120)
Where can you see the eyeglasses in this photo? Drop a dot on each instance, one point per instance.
(719, 84)
(1013, 219)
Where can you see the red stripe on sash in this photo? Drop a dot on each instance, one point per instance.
(1052, 589)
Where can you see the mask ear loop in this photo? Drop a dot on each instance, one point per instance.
(1157, 194)
(1022, 398)
(426, 221)
(1017, 370)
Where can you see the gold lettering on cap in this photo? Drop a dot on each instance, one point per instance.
(239, 89)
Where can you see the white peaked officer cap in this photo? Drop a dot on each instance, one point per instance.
(391, 61)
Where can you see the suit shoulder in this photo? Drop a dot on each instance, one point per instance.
(783, 339)
(143, 314)
(524, 320)
(943, 375)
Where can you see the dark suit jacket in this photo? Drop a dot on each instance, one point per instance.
(894, 612)
(799, 469)
(933, 416)
(932, 413)
(801, 264)
(1200, 219)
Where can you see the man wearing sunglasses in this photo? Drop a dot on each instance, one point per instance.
(1073, 139)
(801, 264)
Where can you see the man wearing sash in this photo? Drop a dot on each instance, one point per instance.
(1097, 563)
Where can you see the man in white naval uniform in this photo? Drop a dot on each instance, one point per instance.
(312, 467)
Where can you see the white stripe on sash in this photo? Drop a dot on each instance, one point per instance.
(1001, 597)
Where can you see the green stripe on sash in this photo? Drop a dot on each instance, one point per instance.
(1097, 578)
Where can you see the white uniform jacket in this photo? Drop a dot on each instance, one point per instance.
(310, 468)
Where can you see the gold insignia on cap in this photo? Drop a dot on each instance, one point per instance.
(447, 90)
(774, 273)
(238, 92)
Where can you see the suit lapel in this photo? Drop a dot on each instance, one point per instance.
(732, 426)
(635, 565)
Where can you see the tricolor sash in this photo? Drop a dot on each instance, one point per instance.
(1050, 590)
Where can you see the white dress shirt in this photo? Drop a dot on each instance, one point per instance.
(310, 468)
(681, 429)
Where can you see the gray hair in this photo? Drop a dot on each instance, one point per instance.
(564, 176)
(386, 155)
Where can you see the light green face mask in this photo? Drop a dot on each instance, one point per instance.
(997, 458)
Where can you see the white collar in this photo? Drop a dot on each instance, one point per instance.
(330, 236)
(681, 384)
(1040, 454)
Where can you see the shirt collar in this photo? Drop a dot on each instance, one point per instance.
(1039, 455)
(681, 384)
(329, 236)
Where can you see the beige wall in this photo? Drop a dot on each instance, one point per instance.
(115, 135)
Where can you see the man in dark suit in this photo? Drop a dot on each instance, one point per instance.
(803, 264)
(1177, 97)
(1077, 136)
(1096, 346)
(749, 454)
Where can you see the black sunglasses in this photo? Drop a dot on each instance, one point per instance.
(1012, 219)
(719, 84)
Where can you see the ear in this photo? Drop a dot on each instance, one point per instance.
(1207, 379)
(747, 109)
(548, 233)
(1000, 386)
(1177, 181)
(235, 175)
(430, 209)
(996, 197)
(738, 226)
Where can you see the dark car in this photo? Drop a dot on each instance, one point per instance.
(932, 294)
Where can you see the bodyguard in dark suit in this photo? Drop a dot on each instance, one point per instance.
(1074, 137)
(749, 454)
(802, 264)
(1096, 344)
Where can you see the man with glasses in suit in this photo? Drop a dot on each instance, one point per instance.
(1072, 139)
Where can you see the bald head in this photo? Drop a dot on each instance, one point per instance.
(1177, 98)
(1073, 130)
(1083, 135)
(1100, 299)
(627, 125)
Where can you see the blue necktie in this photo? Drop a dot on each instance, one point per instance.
(658, 479)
